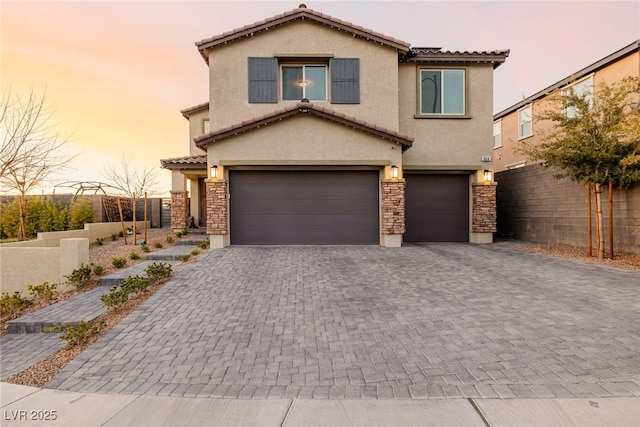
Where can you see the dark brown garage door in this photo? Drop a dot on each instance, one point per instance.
(304, 207)
(437, 208)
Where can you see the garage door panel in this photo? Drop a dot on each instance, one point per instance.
(437, 208)
(304, 207)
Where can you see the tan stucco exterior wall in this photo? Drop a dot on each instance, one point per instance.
(508, 155)
(448, 143)
(301, 140)
(196, 123)
(229, 74)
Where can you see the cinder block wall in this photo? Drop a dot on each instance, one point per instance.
(536, 207)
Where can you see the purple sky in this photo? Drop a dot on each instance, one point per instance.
(118, 73)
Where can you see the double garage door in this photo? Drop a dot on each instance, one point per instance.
(340, 208)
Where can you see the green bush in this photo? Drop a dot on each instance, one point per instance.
(157, 245)
(145, 248)
(43, 291)
(178, 233)
(158, 271)
(195, 252)
(99, 241)
(184, 258)
(98, 270)
(118, 295)
(114, 237)
(119, 262)
(134, 255)
(81, 333)
(11, 304)
(80, 213)
(169, 239)
(80, 276)
(120, 234)
(203, 244)
(42, 214)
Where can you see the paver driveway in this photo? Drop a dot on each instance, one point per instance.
(423, 321)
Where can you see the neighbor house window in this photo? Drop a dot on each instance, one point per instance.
(525, 122)
(205, 126)
(583, 88)
(497, 134)
(442, 92)
(304, 81)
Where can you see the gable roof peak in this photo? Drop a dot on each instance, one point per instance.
(300, 13)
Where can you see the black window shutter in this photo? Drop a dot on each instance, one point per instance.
(263, 80)
(345, 80)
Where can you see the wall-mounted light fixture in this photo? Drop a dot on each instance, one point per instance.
(394, 171)
(213, 172)
(488, 175)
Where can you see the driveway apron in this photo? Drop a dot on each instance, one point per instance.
(422, 321)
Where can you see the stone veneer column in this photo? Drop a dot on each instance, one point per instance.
(484, 211)
(217, 209)
(179, 210)
(393, 207)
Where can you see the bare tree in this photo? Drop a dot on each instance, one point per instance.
(32, 148)
(131, 181)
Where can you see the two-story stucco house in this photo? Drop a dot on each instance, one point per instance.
(532, 204)
(319, 131)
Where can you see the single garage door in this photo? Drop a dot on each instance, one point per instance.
(437, 208)
(304, 207)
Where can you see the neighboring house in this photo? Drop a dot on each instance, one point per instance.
(534, 206)
(319, 131)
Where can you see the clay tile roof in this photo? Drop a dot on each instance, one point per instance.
(192, 110)
(304, 107)
(186, 162)
(300, 13)
(431, 54)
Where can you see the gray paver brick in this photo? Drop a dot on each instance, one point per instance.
(424, 321)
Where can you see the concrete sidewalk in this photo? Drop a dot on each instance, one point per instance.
(26, 406)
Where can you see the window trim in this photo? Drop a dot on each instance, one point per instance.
(283, 64)
(520, 135)
(465, 94)
(499, 123)
(204, 126)
(577, 82)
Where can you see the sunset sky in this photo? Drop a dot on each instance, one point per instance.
(118, 73)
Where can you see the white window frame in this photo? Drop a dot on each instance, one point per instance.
(206, 126)
(497, 142)
(443, 92)
(570, 111)
(304, 95)
(521, 123)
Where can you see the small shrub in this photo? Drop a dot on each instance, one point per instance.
(134, 255)
(178, 233)
(98, 270)
(145, 248)
(185, 232)
(80, 276)
(184, 258)
(135, 284)
(116, 297)
(195, 252)
(99, 241)
(203, 244)
(157, 245)
(119, 262)
(43, 291)
(11, 304)
(114, 237)
(169, 239)
(81, 333)
(157, 271)
(120, 234)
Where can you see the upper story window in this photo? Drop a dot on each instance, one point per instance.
(525, 122)
(304, 81)
(583, 88)
(274, 79)
(206, 128)
(497, 134)
(442, 92)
